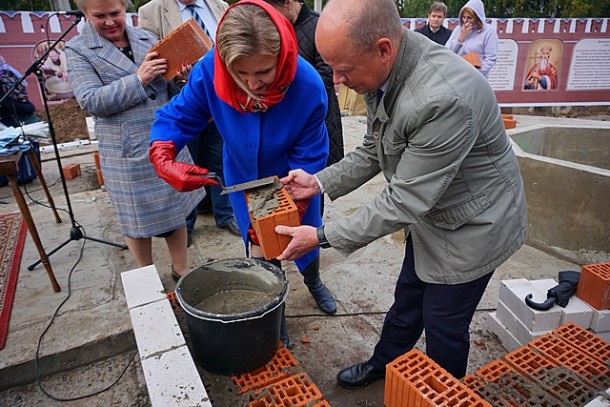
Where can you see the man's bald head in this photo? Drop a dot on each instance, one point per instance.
(360, 40)
(363, 21)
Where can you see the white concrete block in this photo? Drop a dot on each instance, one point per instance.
(600, 321)
(515, 326)
(172, 380)
(507, 340)
(142, 286)
(156, 328)
(576, 311)
(171, 376)
(512, 293)
(598, 401)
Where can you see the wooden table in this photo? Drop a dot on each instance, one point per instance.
(9, 166)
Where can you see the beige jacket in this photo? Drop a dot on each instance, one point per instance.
(161, 17)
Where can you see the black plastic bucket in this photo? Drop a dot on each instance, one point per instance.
(233, 312)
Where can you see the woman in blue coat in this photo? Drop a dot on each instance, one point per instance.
(269, 106)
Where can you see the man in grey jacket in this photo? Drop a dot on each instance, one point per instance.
(434, 129)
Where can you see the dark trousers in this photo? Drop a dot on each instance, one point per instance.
(444, 311)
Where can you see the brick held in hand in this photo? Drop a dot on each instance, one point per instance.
(186, 44)
(473, 58)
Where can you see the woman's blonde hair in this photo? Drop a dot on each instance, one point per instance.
(476, 16)
(82, 5)
(246, 30)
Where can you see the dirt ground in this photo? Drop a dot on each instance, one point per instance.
(68, 121)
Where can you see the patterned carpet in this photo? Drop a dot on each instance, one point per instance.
(12, 238)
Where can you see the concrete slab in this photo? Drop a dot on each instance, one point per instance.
(91, 341)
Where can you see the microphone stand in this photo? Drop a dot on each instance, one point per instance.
(76, 232)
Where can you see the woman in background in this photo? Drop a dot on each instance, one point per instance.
(473, 34)
(117, 79)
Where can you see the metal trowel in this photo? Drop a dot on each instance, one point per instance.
(243, 186)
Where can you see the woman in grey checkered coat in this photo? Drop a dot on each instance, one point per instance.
(117, 80)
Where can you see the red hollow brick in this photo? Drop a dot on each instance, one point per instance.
(529, 363)
(413, 379)
(561, 382)
(71, 171)
(564, 354)
(295, 391)
(509, 123)
(594, 285)
(281, 365)
(584, 340)
(286, 214)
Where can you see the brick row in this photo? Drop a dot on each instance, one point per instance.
(297, 391)
(282, 365)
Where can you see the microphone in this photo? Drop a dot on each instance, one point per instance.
(76, 13)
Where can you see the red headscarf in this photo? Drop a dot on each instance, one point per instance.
(229, 91)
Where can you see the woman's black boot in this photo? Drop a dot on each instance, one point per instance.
(324, 299)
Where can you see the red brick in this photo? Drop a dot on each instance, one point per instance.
(594, 285)
(489, 391)
(295, 391)
(528, 363)
(584, 340)
(185, 44)
(413, 379)
(509, 123)
(96, 159)
(100, 178)
(282, 365)
(286, 214)
(71, 171)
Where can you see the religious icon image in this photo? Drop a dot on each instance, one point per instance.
(54, 71)
(544, 58)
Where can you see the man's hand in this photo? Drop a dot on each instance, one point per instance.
(304, 240)
(300, 185)
(183, 177)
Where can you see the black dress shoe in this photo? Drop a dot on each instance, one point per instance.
(232, 228)
(359, 375)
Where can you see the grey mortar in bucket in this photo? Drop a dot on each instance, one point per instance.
(233, 312)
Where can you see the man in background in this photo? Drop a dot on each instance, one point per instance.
(435, 29)
(161, 17)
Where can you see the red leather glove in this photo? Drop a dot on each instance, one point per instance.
(183, 177)
(252, 236)
(302, 207)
